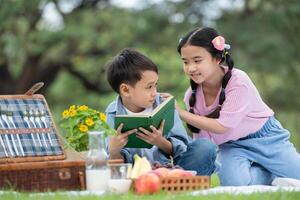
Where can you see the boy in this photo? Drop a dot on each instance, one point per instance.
(134, 77)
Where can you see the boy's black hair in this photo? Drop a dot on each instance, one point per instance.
(127, 67)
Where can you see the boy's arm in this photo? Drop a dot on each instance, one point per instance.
(124, 153)
(166, 146)
(156, 138)
(114, 154)
(117, 143)
(179, 140)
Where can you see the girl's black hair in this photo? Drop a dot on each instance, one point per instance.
(203, 37)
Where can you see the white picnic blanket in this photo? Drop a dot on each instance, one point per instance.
(216, 190)
(279, 184)
(245, 189)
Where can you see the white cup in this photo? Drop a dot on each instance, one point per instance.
(119, 181)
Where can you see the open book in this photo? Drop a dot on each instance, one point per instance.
(165, 111)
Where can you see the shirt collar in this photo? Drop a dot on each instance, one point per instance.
(118, 108)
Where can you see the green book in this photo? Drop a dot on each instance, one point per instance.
(165, 111)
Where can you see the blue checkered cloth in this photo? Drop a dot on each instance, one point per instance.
(27, 144)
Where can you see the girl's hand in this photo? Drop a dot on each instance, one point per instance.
(116, 143)
(155, 137)
(165, 95)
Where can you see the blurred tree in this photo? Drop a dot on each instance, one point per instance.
(91, 33)
(30, 53)
(70, 53)
(265, 35)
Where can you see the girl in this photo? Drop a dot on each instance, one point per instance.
(225, 106)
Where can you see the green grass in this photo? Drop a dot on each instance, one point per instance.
(130, 196)
(11, 195)
(214, 180)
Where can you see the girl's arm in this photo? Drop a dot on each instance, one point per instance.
(201, 122)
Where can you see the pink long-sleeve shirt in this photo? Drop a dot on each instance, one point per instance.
(243, 112)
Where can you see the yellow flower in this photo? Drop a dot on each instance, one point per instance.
(65, 114)
(102, 116)
(79, 120)
(73, 107)
(89, 122)
(83, 128)
(83, 108)
(72, 113)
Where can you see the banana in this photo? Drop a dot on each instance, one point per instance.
(141, 166)
(136, 167)
(145, 166)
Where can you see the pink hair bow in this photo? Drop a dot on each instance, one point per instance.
(219, 43)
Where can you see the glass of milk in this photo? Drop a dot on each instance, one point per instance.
(97, 170)
(119, 181)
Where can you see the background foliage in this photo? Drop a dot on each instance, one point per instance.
(69, 53)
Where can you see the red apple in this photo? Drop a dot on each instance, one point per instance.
(186, 173)
(176, 173)
(161, 172)
(147, 184)
(179, 173)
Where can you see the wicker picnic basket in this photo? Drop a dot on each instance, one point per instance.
(27, 130)
(41, 176)
(31, 153)
(180, 184)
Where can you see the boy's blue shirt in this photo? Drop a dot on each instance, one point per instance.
(177, 135)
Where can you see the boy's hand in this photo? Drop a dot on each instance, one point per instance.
(116, 143)
(155, 137)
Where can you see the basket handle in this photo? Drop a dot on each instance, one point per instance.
(34, 88)
(81, 180)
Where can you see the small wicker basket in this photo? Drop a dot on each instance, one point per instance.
(180, 184)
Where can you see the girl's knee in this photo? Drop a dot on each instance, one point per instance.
(230, 181)
(204, 147)
(232, 175)
(233, 179)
